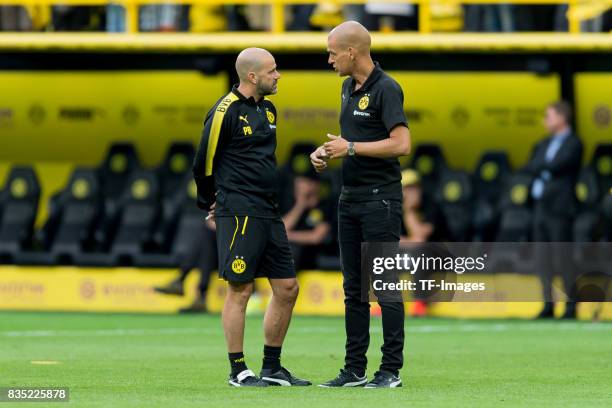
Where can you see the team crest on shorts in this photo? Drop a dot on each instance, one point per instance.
(364, 102)
(270, 116)
(239, 266)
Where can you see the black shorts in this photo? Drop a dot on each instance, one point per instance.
(251, 247)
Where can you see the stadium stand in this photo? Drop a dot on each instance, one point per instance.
(134, 207)
(209, 15)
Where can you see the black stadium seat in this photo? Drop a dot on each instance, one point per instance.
(139, 210)
(515, 226)
(606, 208)
(74, 212)
(177, 163)
(18, 207)
(172, 174)
(186, 226)
(114, 173)
(454, 197)
(602, 164)
(588, 220)
(516, 216)
(490, 175)
(489, 178)
(429, 161)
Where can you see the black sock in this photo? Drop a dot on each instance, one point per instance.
(271, 358)
(237, 362)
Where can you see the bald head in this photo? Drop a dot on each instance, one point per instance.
(352, 34)
(257, 71)
(251, 60)
(348, 46)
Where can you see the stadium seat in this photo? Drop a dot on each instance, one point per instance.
(74, 212)
(18, 207)
(489, 178)
(588, 220)
(602, 164)
(172, 174)
(454, 197)
(114, 173)
(516, 216)
(429, 161)
(177, 163)
(490, 175)
(185, 224)
(138, 209)
(515, 226)
(485, 220)
(606, 207)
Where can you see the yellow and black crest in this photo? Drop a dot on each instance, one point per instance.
(239, 266)
(364, 102)
(270, 116)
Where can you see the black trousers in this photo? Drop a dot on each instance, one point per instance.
(201, 255)
(369, 221)
(549, 227)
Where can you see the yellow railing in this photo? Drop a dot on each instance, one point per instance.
(278, 7)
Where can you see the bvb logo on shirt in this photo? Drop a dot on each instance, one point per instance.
(270, 116)
(239, 266)
(364, 102)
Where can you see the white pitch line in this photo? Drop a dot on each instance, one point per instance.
(425, 329)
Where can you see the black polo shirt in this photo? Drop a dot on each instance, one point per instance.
(367, 115)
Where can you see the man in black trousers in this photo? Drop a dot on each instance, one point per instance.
(374, 134)
(555, 164)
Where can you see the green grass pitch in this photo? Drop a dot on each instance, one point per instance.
(180, 361)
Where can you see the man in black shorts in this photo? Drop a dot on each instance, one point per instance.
(374, 134)
(235, 171)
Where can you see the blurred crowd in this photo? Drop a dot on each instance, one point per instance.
(375, 15)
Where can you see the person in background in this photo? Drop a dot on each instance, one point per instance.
(306, 223)
(542, 17)
(115, 18)
(488, 18)
(383, 16)
(78, 18)
(554, 164)
(237, 19)
(419, 224)
(161, 18)
(14, 18)
(203, 256)
(301, 17)
(203, 18)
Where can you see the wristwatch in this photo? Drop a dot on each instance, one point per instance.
(351, 149)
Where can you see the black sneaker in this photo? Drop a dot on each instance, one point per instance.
(383, 379)
(246, 378)
(173, 288)
(346, 379)
(198, 306)
(282, 377)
